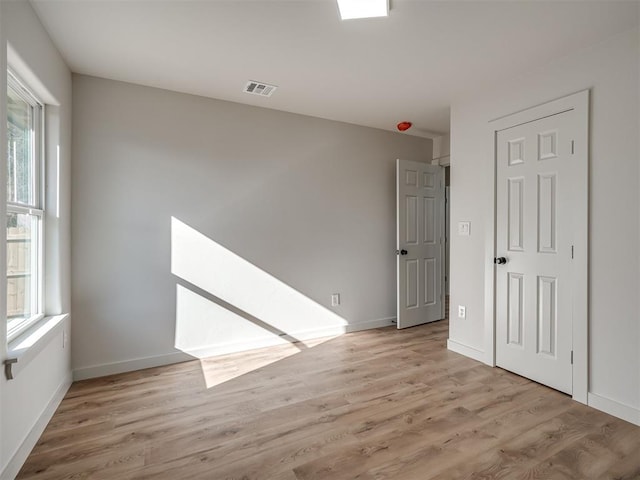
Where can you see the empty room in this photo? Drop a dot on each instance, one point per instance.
(320, 239)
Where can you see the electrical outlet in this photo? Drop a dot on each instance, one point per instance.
(335, 299)
(462, 311)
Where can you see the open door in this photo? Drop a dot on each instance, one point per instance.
(420, 230)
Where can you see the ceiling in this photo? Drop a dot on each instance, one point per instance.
(373, 72)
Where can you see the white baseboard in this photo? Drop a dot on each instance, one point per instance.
(466, 350)
(15, 463)
(370, 324)
(223, 349)
(617, 409)
(130, 365)
(302, 335)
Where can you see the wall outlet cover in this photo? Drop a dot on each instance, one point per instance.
(335, 299)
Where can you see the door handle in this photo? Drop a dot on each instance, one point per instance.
(401, 252)
(500, 260)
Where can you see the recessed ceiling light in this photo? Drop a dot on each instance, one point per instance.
(350, 9)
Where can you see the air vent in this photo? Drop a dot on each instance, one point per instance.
(257, 88)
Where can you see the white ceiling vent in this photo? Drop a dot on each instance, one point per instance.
(257, 88)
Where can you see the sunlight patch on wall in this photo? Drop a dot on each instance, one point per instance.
(205, 328)
(226, 304)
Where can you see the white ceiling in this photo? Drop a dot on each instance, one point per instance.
(375, 72)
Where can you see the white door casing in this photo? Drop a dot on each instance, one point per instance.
(538, 324)
(420, 230)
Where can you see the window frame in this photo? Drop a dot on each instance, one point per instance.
(36, 209)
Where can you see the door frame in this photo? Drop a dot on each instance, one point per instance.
(578, 102)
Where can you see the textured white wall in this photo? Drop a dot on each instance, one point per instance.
(39, 383)
(611, 71)
(310, 202)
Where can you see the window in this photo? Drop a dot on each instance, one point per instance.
(24, 208)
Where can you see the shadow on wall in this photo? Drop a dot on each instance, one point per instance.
(225, 304)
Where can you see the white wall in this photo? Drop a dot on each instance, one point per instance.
(27, 401)
(441, 149)
(610, 70)
(309, 201)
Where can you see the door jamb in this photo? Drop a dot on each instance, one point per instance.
(578, 102)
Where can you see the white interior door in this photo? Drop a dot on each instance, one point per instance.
(420, 229)
(534, 236)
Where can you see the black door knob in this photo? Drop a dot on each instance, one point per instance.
(401, 252)
(500, 260)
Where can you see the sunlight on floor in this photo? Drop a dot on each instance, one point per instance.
(217, 370)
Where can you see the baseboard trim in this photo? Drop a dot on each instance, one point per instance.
(294, 337)
(20, 456)
(617, 409)
(466, 350)
(103, 370)
(95, 371)
(370, 324)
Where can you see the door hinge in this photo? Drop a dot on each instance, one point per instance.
(572, 252)
(572, 147)
(571, 357)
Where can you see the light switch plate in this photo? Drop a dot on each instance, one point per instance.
(464, 229)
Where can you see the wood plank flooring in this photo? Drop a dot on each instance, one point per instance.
(379, 404)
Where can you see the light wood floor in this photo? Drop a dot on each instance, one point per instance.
(379, 404)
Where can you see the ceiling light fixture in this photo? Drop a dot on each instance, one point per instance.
(350, 9)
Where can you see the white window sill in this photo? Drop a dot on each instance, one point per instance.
(28, 344)
(23, 325)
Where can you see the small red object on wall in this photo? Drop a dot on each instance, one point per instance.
(404, 126)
